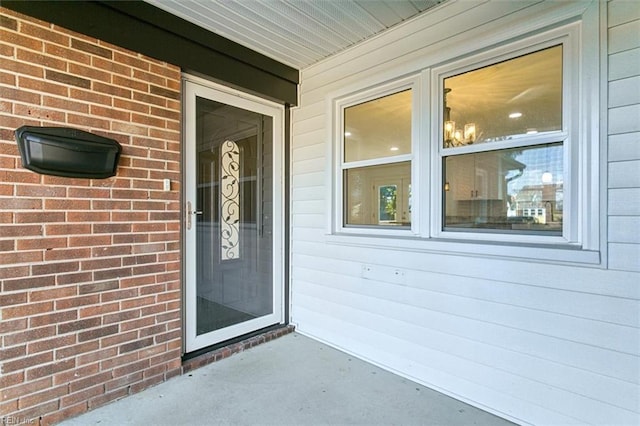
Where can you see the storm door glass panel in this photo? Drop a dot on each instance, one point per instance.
(234, 266)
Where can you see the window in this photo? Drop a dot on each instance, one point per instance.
(509, 117)
(510, 159)
(376, 158)
(494, 146)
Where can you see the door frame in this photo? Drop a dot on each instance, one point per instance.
(195, 86)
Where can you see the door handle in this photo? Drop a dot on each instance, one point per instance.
(188, 215)
(191, 212)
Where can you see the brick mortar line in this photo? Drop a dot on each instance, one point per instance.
(71, 35)
(21, 87)
(41, 236)
(166, 85)
(39, 263)
(90, 104)
(89, 210)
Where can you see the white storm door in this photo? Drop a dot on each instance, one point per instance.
(233, 212)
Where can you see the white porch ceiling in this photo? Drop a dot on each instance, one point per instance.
(296, 32)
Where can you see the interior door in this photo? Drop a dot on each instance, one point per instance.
(392, 196)
(233, 214)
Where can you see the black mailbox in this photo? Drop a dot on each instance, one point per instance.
(61, 151)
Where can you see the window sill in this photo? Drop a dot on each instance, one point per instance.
(547, 253)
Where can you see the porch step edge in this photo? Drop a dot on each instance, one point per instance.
(234, 348)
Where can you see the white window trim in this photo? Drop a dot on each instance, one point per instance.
(568, 135)
(413, 83)
(590, 229)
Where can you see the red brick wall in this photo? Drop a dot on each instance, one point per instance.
(89, 269)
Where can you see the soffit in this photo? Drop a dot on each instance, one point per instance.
(297, 33)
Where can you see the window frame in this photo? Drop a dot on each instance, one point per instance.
(411, 82)
(585, 242)
(568, 135)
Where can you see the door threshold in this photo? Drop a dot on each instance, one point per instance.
(223, 350)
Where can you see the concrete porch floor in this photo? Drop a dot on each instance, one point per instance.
(293, 380)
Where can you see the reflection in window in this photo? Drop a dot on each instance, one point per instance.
(378, 128)
(378, 195)
(376, 161)
(387, 207)
(520, 96)
(516, 189)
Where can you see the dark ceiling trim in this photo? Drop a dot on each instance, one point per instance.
(146, 29)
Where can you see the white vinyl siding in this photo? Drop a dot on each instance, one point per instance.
(533, 341)
(624, 135)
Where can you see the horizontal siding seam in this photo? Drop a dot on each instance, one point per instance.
(472, 361)
(620, 80)
(497, 323)
(628, 49)
(621, 24)
(631, 293)
(430, 383)
(629, 244)
(623, 160)
(513, 283)
(627, 132)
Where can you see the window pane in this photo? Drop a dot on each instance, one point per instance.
(387, 203)
(517, 190)
(378, 195)
(515, 97)
(378, 128)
